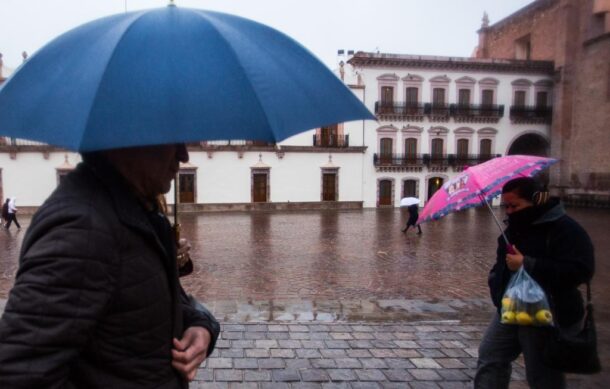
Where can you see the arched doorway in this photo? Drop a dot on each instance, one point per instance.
(434, 184)
(530, 144)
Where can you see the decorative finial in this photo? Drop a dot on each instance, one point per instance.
(342, 70)
(260, 157)
(330, 158)
(485, 20)
(24, 55)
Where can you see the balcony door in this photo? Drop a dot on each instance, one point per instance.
(462, 151)
(412, 100)
(437, 149)
(329, 135)
(387, 99)
(385, 192)
(410, 150)
(484, 150)
(385, 150)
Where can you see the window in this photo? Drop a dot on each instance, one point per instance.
(186, 187)
(462, 149)
(387, 98)
(541, 99)
(409, 188)
(385, 192)
(437, 148)
(412, 96)
(485, 149)
(464, 97)
(487, 97)
(438, 96)
(385, 150)
(411, 149)
(519, 98)
(329, 186)
(329, 136)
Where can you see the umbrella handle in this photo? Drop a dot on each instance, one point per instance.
(509, 247)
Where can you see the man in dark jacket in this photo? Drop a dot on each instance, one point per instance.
(97, 301)
(558, 254)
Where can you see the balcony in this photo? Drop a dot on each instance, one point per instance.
(399, 111)
(398, 162)
(336, 141)
(460, 161)
(437, 112)
(476, 113)
(530, 114)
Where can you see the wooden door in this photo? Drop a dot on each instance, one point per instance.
(329, 187)
(259, 187)
(186, 187)
(385, 192)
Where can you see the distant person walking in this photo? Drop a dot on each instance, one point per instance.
(11, 213)
(413, 216)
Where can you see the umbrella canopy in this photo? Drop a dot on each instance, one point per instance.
(479, 184)
(171, 75)
(408, 201)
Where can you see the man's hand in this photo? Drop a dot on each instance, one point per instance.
(514, 261)
(190, 351)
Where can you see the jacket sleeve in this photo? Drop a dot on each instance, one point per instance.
(197, 315)
(569, 261)
(65, 279)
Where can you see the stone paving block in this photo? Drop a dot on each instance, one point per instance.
(274, 385)
(394, 385)
(282, 353)
(298, 328)
(256, 328)
(473, 352)
(452, 344)
(323, 363)
(405, 335)
(397, 375)
(308, 353)
(204, 375)
(255, 335)
(361, 328)
(228, 375)
(373, 363)
(399, 363)
(348, 363)
(318, 344)
(231, 353)
(277, 328)
(286, 375)
(222, 343)
(342, 375)
(425, 363)
(336, 385)
(384, 344)
(314, 375)
(319, 335)
(340, 328)
(257, 353)
(450, 363)
(209, 385)
(360, 344)
(382, 353)
(358, 353)
(319, 328)
(365, 385)
(300, 335)
(243, 385)
(458, 385)
(289, 343)
(341, 335)
(432, 353)
(257, 375)
(363, 335)
(385, 336)
(271, 363)
(406, 344)
(455, 353)
(298, 363)
(428, 344)
(233, 327)
(278, 335)
(266, 343)
(407, 353)
(306, 385)
(425, 329)
(453, 375)
(220, 363)
(423, 385)
(245, 363)
(231, 335)
(336, 344)
(242, 344)
(333, 353)
(370, 375)
(424, 374)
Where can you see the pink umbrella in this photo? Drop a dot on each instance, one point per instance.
(479, 184)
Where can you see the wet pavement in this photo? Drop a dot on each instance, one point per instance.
(326, 281)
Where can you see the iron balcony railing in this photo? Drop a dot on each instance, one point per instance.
(528, 112)
(476, 110)
(331, 141)
(442, 160)
(469, 159)
(399, 108)
(397, 159)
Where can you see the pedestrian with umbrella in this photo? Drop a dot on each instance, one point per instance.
(97, 301)
(412, 204)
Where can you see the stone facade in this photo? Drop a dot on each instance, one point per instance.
(575, 35)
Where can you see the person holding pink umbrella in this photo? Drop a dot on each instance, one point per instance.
(558, 254)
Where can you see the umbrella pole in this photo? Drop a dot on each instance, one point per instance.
(496, 220)
(176, 224)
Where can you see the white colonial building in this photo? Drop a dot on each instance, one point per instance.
(435, 115)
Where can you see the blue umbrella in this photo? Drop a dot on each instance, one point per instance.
(171, 75)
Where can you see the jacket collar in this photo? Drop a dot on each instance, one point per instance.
(555, 211)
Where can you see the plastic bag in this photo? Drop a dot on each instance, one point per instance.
(524, 302)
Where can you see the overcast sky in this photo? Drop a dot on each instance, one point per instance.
(425, 27)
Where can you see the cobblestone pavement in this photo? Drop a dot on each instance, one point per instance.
(345, 300)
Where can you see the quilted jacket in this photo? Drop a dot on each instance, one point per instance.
(96, 300)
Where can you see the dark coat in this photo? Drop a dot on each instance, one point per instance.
(96, 300)
(558, 255)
